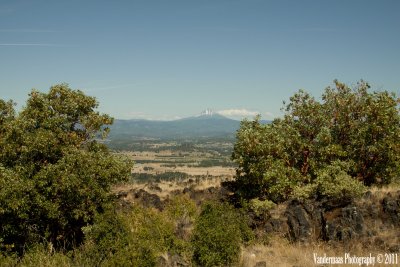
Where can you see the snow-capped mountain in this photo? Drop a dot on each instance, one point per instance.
(207, 124)
(207, 112)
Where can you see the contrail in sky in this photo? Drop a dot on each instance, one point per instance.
(7, 44)
(27, 31)
(35, 44)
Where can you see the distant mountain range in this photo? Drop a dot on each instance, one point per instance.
(213, 125)
(207, 125)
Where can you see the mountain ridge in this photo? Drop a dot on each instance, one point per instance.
(206, 125)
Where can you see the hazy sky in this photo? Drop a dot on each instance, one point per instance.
(169, 59)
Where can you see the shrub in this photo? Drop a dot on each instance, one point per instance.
(261, 207)
(135, 238)
(181, 208)
(8, 260)
(39, 255)
(182, 212)
(218, 234)
(334, 183)
(108, 236)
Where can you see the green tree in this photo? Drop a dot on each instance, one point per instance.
(54, 174)
(349, 127)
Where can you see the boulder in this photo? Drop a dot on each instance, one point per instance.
(304, 221)
(343, 224)
(149, 200)
(391, 206)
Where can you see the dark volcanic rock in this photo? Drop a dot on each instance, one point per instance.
(186, 190)
(304, 221)
(307, 221)
(155, 187)
(149, 200)
(366, 220)
(391, 206)
(275, 225)
(343, 224)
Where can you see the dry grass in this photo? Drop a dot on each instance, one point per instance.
(380, 191)
(279, 252)
(169, 187)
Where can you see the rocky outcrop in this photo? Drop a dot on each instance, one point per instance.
(391, 208)
(140, 196)
(373, 220)
(312, 220)
(304, 220)
(343, 224)
(367, 220)
(149, 200)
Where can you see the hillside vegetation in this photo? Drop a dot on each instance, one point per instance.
(306, 172)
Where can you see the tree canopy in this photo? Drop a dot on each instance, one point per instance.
(327, 148)
(54, 174)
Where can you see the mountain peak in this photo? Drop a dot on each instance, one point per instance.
(207, 112)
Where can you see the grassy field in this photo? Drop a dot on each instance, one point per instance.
(194, 159)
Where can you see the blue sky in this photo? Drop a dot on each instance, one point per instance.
(171, 59)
